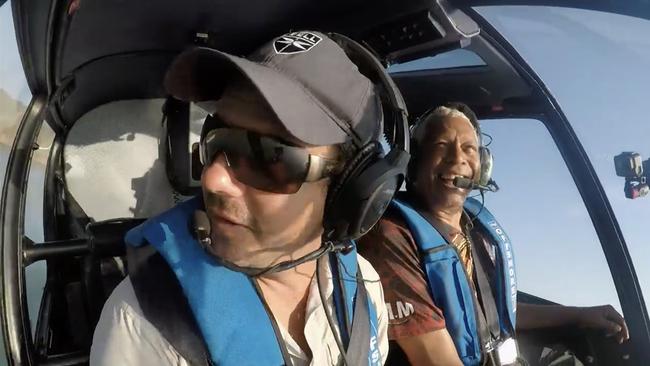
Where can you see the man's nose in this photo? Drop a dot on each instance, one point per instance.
(219, 177)
(455, 154)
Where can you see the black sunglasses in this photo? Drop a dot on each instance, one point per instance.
(263, 162)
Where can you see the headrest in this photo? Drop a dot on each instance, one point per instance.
(115, 160)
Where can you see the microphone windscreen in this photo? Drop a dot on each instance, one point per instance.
(201, 222)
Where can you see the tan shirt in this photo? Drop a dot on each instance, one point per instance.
(125, 337)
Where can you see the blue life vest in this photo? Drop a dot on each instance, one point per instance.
(448, 282)
(233, 321)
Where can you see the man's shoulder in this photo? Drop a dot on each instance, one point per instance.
(124, 300)
(123, 310)
(392, 225)
(124, 336)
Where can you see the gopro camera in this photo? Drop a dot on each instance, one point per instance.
(629, 165)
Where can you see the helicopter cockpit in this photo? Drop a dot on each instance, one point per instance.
(121, 150)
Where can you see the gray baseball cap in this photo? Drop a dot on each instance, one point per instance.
(306, 78)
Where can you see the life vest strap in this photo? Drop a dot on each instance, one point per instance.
(197, 304)
(488, 313)
(163, 304)
(451, 289)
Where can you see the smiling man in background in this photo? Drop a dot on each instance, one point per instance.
(446, 264)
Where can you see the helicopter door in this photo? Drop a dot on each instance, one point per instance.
(595, 65)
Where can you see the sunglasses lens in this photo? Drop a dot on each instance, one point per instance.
(279, 176)
(260, 162)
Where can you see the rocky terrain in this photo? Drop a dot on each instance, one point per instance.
(11, 111)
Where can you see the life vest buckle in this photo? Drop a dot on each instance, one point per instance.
(506, 352)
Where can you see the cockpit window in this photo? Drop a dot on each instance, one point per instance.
(446, 60)
(558, 253)
(596, 66)
(14, 92)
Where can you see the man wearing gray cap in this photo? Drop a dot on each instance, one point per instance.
(260, 270)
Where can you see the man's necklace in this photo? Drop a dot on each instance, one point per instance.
(464, 246)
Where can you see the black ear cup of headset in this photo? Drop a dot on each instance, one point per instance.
(362, 192)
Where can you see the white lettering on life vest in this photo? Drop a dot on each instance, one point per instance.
(510, 263)
(404, 309)
(374, 351)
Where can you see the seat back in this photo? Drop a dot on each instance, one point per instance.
(117, 159)
(120, 168)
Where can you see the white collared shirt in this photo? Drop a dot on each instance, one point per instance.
(125, 337)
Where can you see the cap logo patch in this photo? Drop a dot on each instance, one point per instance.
(296, 42)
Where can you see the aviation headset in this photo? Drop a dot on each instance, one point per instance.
(360, 194)
(483, 179)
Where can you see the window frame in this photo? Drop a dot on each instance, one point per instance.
(17, 331)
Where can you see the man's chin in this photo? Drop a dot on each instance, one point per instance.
(229, 250)
(449, 193)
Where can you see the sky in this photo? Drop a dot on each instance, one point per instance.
(596, 66)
